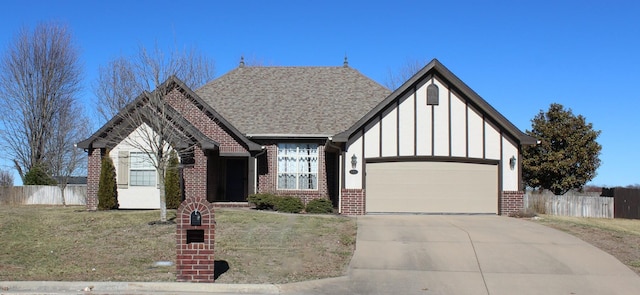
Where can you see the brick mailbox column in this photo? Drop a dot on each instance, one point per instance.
(195, 229)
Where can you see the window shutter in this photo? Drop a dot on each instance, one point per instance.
(123, 169)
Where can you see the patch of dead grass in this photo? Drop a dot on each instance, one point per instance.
(618, 237)
(70, 244)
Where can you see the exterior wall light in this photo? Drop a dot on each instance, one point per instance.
(512, 162)
(354, 162)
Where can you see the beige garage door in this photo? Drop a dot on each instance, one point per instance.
(431, 187)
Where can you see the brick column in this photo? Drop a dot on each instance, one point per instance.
(195, 243)
(94, 166)
(352, 202)
(511, 201)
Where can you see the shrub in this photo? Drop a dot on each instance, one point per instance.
(107, 187)
(172, 183)
(263, 201)
(321, 206)
(289, 205)
(38, 175)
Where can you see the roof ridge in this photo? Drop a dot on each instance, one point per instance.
(294, 67)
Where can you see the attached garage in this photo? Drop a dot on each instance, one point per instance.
(432, 146)
(432, 187)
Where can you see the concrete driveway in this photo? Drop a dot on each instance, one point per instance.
(476, 254)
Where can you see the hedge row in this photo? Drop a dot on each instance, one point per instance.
(289, 204)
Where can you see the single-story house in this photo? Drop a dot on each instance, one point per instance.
(431, 146)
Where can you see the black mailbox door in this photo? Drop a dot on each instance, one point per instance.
(196, 218)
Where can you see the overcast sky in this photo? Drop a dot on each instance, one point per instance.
(520, 56)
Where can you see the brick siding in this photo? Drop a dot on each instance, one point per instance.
(353, 202)
(212, 129)
(268, 176)
(511, 201)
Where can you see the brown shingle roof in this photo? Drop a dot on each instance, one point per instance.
(292, 100)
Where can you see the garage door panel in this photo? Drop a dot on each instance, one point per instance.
(432, 187)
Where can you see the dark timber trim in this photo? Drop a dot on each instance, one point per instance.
(362, 163)
(449, 119)
(398, 126)
(466, 129)
(484, 137)
(380, 133)
(433, 159)
(433, 123)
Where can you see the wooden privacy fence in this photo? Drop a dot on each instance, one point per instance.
(570, 205)
(627, 201)
(43, 195)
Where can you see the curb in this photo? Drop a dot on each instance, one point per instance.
(53, 287)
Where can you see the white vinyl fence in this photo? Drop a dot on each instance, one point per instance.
(43, 195)
(570, 205)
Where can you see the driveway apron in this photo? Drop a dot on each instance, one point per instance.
(472, 254)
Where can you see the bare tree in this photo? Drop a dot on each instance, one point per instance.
(124, 78)
(6, 179)
(68, 160)
(116, 87)
(396, 78)
(154, 123)
(39, 77)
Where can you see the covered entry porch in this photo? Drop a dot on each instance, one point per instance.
(230, 177)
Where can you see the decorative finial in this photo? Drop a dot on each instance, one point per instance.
(242, 61)
(346, 62)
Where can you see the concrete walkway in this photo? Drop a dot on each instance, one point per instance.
(430, 254)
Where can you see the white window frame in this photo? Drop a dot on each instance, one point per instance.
(140, 162)
(312, 155)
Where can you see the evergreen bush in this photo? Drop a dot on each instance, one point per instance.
(289, 205)
(263, 201)
(107, 187)
(320, 206)
(172, 183)
(38, 175)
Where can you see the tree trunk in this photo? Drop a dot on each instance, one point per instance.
(62, 189)
(163, 196)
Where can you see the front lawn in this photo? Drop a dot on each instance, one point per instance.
(70, 244)
(618, 237)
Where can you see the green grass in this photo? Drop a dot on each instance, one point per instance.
(56, 243)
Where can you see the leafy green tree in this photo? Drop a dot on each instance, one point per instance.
(172, 182)
(567, 156)
(107, 187)
(38, 175)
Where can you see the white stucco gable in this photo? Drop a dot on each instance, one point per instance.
(142, 195)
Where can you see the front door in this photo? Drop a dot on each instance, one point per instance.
(236, 180)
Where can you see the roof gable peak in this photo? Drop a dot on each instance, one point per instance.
(437, 69)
